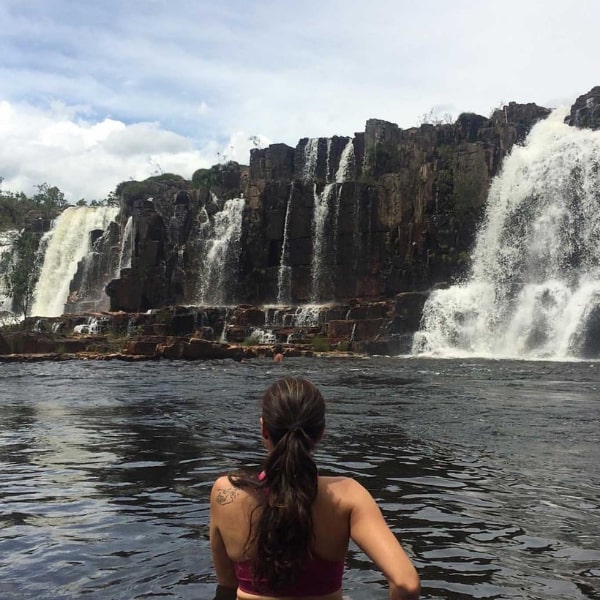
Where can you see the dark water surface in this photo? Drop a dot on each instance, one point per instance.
(489, 471)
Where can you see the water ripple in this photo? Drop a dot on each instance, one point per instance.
(488, 472)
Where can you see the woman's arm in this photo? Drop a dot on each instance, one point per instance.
(372, 535)
(224, 569)
(225, 593)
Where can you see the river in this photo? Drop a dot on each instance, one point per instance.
(489, 471)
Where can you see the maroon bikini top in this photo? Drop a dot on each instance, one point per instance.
(317, 578)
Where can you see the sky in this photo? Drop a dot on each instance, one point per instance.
(93, 93)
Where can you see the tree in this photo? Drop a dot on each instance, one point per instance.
(50, 197)
(20, 270)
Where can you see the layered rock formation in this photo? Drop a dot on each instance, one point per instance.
(366, 224)
(385, 212)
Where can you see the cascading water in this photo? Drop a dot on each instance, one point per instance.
(68, 244)
(311, 156)
(347, 164)
(319, 275)
(284, 275)
(324, 246)
(126, 247)
(320, 210)
(346, 172)
(220, 253)
(534, 287)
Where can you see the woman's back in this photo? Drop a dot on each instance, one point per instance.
(285, 533)
(239, 508)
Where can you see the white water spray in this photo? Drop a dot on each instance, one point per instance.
(535, 275)
(220, 254)
(126, 247)
(311, 156)
(325, 246)
(68, 244)
(284, 275)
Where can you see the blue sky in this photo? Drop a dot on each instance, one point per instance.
(96, 92)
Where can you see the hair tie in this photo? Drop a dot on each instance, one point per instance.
(295, 428)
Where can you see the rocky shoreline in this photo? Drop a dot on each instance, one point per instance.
(243, 332)
(39, 348)
(165, 352)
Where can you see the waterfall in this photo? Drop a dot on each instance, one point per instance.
(324, 243)
(7, 241)
(311, 156)
(534, 286)
(126, 247)
(220, 254)
(319, 274)
(347, 164)
(346, 172)
(284, 275)
(68, 243)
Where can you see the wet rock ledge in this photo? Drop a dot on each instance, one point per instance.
(243, 332)
(39, 347)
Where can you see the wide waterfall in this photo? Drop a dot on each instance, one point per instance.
(220, 254)
(68, 243)
(534, 286)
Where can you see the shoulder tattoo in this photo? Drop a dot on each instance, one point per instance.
(226, 495)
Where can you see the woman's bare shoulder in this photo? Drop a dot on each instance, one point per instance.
(340, 485)
(224, 492)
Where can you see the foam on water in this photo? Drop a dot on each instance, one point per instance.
(534, 284)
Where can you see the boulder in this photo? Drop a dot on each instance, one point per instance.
(585, 113)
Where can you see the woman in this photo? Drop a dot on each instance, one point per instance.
(285, 533)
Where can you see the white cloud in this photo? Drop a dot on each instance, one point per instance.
(85, 158)
(96, 92)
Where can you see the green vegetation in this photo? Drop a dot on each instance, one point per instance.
(251, 340)
(320, 344)
(17, 209)
(131, 191)
(433, 117)
(166, 177)
(50, 197)
(383, 158)
(216, 175)
(204, 178)
(20, 270)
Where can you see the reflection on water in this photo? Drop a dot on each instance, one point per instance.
(488, 472)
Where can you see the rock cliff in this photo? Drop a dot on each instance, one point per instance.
(384, 212)
(363, 225)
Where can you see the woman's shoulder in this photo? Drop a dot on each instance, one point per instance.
(225, 493)
(345, 487)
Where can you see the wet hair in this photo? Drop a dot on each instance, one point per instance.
(281, 537)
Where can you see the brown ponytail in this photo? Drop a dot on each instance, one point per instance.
(293, 413)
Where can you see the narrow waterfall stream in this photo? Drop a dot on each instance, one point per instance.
(284, 275)
(324, 226)
(220, 254)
